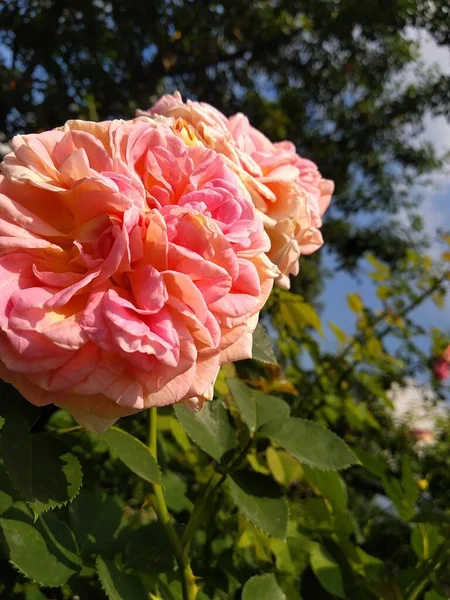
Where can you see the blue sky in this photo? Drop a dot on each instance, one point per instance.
(434, 209)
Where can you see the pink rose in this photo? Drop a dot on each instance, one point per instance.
(131, 266)
(441, 365)
(287, 190)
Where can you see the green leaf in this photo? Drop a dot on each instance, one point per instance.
(409, 484)
(39, 466)
(175, 489)
(309, 316)
(7, 493)
(96, 519)
(310, 443)
(45, 551)
(395, 492)
(209, 428)
(298, 314)
(341, 335)
(146, 549)
(133, 453)
(355, 303)
(32, 593)
(117, 584)
(263, 587)
(262, 346)
(326, 570)
(434, 596)
(261, 501)
(256, 407)
(269, 408)
(245, 401)
(425, 539)
(373, 464)
(285, 469)
(330, 484)
(5, 501)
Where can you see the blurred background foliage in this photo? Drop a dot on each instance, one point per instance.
(344, 80)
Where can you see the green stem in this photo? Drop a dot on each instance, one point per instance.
(188, 585)
(204, 501)
(197, 516)
(431, 567)
(69, 429)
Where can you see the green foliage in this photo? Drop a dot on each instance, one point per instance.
(310, 443)
(117, 584)
(327, 571)
(210, 428)
(45, 551)
(261, 501)
(133, 453)
(263, 587)
(41, 469)
(295, 482)
(262, 346)
(292, 483)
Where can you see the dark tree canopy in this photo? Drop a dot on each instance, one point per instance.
(327, 74)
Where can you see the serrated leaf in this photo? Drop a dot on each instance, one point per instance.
(270, 408)
(45, 551)
(133, 453)
(263, 587)
(329, 484)
(327, 571)
(260, 501)
(245, 401)
(146, 549)
(209, 428)
(262, 349)
(96, 519)
(39, 466)
(310, 443)
(256, 407)
(119, 585)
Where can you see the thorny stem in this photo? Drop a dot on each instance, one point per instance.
(159, 504)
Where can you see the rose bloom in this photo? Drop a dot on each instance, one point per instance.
(441, 365)
(131, 267)
(287, 190)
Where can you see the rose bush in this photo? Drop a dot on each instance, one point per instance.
(288, 191)
(131, 266)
